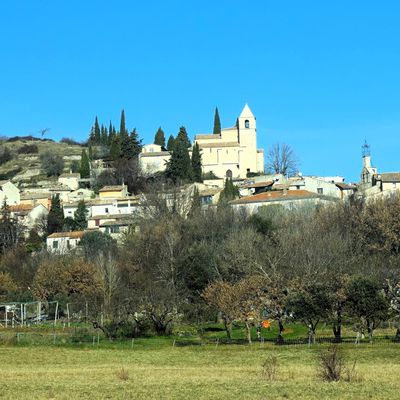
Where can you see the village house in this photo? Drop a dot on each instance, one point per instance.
(289, 199)
(113, 192)
(70, 180)
(153, 159)
(233, 153)
(113, 224)
(63, 242)
(33, 198)
(9, 193)
(29, 216)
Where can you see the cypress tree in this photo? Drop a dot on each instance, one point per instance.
(9, 229)
(196, 163)
(97, 135)
(230, 192)
(170, 143)
(159, 138)
(85, 165)
(104, 135)
(183, 136)
(110, 134)
(122, 129)
(131, 146)
(80, 216)
(217, 123)
(179, 167)
(90, 153)
(115, 149)
(55, 218)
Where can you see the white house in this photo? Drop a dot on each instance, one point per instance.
(9, 193)
(153, 159)
(71, 180)
(29, 215)
(63, 242)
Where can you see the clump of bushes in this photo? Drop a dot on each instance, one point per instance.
(28, 149)
(70, 141)
(53, 164)
(270, 368)
(5, 155)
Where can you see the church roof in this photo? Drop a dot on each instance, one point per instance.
(222, 144)
(246, 112)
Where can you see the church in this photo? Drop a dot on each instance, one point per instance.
(233, 153)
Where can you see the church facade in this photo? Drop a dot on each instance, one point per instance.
(233, 153)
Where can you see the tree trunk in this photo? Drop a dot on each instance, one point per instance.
(248, 332)
(370, 329)
(281, 330)
(337, 329)
(228, 329)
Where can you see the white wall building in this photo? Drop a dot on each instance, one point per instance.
(233, 153)
(153, 159)
(9, 193)
(63, 242)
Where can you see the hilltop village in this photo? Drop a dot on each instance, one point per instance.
(100, 191)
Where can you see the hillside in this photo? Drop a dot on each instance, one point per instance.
(26, 169)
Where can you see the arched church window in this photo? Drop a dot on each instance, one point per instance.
(247, 124)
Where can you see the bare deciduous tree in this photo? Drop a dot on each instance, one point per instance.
(281, 159)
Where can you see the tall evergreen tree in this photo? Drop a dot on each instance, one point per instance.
(230, 192)
(183, 136)
(217, 123)
(97, 134)
(90, 155)
(131, 146)
(122, 128)
(55, 218)
(170, 143)
(179, 167)
(103, 135)
(85, 165)
(115, 148)
(196, 163)
(111, 134)
(159, 138)
(80, 216)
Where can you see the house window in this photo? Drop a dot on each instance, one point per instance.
(97, 222)
(298, 187)
(106, 210)
(55, 244)
(68, 245)
(247, 124)
(320, 190)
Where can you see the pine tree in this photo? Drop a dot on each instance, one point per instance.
(97, 135)
(159, 138)
(196, 163)
(55, 218)
(80, 216)
(170, 143)
(131, 146)
(85, 165)
(217, 123)
(179, 167)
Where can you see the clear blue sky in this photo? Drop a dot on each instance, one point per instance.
(320, 76)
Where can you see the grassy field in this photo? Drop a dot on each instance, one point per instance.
(203, 372)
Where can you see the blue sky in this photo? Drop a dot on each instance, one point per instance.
(320, 76)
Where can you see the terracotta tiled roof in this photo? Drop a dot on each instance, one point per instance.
(258, 184)
(276, 195)
(111, 188)
(345, 186)
(71, 235)
(21, 207)
(389, 177)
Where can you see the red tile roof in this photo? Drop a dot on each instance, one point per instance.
(276, 195)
